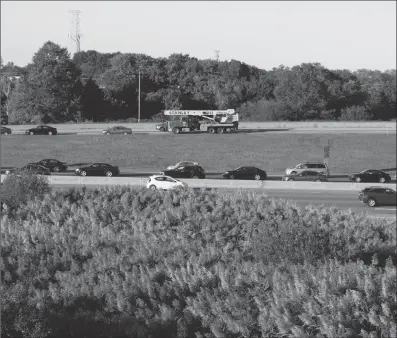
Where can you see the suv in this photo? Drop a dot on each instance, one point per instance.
(312, 166)
(375, 196)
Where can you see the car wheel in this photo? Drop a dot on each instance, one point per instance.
(231, 177)
(371, 202)
(152, 187)
(83, 173)
(290, 179)
(107, 133)
(50, 133)
(318, 180)
(56, 169)
(109, 174)
(257, 177)
(292, 172)
(31, 133)
(382, 180)
(162, 129)
(358, 179)
(39, 174)
(195, 177)
(5, 133)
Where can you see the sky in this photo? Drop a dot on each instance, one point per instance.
(266, 34)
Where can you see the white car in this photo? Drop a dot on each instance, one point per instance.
(163, 182)
(184, 164)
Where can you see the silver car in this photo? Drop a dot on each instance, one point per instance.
(182, 164)
(117, 130)
(312, 166)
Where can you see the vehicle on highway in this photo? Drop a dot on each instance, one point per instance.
(53, 165)
(162, 126)
(30, 168)
(370, 175)
(42, 130)
(246, 173)
(5, 131)
(314, 166)
(307, 176)
(117, 130)
(181, 164)
(188, 171)
(377, 196)
(98, 169)
(163, 182)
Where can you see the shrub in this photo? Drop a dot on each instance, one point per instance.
(355, 113)
(19, 187)
(123, 262)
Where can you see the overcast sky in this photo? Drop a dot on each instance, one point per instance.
(337, 34)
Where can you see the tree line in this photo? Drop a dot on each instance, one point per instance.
(100, 87)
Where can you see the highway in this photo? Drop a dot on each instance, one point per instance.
(341, 199)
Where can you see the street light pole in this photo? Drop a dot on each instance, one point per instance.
(139, 96)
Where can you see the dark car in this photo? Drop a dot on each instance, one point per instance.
(30, 168)
(370, 176)
(377, 196)
(117, 130)
(5, 131)
(53, 165)
(42, 130)
(307, 176)
(246, 173)
(194, 171)
(161, 126)
(98, 169)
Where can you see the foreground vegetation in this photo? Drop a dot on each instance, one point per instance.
(216, 153)
(97, 86)
(123, 262)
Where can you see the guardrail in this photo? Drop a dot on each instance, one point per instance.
(227, 184)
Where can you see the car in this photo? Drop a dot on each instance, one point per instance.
(246, 173)
(370, 176)
(98, 169)
(377, 196)
(53, 165)
(188, 171)
(181, 164)
(164, 182)
(307, 176)
(42, 130)
(5, 131)
(161, 126)
(314, 166)
(117, 130)
(30, 168)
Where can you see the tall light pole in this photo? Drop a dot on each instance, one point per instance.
(139, 96)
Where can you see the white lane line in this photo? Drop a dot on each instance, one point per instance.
(394, 209)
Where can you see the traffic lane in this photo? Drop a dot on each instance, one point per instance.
(214, 176)
(344, 200)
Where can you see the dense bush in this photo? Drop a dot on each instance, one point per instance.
(19, 187)
(355, 113)
(122, 262)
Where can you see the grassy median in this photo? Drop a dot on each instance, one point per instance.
(216, 153)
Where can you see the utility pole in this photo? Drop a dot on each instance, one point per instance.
(139, 96)
(75, 23)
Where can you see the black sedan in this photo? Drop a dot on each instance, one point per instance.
(31, 168)
(117, 130)
(42, 130)
(194, 171)
(53, 165)
(306, 176)
(98, 169)
(377, 196)
(246, 173)
(5, 131)
(370, 176)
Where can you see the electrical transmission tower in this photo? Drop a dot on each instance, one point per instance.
(75, 26)
(217, 54)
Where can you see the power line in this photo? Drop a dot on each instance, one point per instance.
(75, 23)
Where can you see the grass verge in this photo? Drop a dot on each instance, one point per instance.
(216, 153)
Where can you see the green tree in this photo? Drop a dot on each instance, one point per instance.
(51, 88)
(93, 103)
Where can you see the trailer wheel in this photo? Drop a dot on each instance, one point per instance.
(211, 130)
(220, 130)
(228, 130)
(176, 130)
